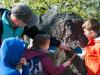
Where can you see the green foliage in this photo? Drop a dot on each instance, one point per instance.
(85, 8)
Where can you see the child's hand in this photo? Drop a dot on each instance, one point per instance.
(65, 48)
(23, 61)
(67, 63)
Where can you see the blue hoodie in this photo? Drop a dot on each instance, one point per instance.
(10, 53)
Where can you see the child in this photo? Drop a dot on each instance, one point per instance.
(92, 57)
(40, 49)
(10, 54)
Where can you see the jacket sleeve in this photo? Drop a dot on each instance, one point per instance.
(50, 68)
(25, 70)
(31, 32)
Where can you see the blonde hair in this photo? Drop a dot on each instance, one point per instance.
(91, 24)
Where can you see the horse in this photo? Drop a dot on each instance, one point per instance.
(68, 29)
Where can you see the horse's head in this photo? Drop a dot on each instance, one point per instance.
(66, 27)
(78, 30)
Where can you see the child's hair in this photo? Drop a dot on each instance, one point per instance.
(40, 40)
(91, 24)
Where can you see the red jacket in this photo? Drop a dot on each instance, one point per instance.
(92, 57)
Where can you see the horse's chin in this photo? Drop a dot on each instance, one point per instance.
(83, 41)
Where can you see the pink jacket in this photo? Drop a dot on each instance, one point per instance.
(47, 64)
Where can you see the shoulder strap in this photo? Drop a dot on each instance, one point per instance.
(1, 25)
(1, 29)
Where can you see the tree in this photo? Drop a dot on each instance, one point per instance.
(85, 8)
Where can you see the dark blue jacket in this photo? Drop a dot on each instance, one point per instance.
(10, 53)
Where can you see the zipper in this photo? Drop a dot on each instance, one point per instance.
(14, 29)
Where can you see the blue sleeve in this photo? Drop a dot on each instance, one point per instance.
(25, 70)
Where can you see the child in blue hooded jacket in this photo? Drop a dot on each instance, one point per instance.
(10, 55)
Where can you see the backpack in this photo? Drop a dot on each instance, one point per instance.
(35, 66)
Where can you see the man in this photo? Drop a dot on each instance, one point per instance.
(16, 19)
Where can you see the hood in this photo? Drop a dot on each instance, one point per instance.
(30, 53)
(5, 16)
(11, 51)
(94, 41)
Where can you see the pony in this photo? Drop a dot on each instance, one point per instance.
(68, 29)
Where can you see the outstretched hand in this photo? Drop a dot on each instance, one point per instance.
(67, 63)
(65, 48)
